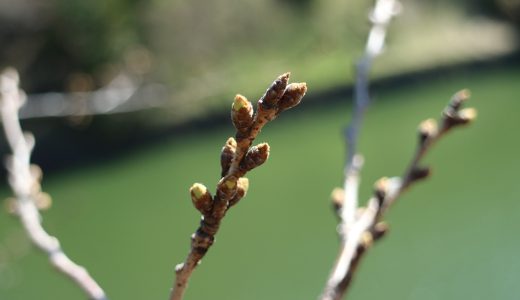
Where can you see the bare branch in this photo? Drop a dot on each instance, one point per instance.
(238, 157)
(357, 236)
(25, 183)
(124, 94)
(359, 227)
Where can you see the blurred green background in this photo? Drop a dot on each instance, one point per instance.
(119, 182)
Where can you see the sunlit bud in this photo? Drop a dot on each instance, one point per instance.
(274, 92)
(227, 154)
(200, 197)
(292, 96)
(468, 114)
(255, 156)
(242, 187)
(242, 113)
(427, 129)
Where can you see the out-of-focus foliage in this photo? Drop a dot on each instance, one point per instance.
(50, 40)
(200, 48)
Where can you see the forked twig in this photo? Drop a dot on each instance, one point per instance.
(360, 226)
(237, 158)
(367, 226)
(25, 179)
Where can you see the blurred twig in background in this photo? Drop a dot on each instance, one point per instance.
(25, 180)
(125, 93)
(360, 226)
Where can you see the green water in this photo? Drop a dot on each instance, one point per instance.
(452, 237)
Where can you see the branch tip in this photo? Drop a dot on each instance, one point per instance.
(292, 96)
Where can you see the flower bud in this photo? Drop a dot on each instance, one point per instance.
(201, 198)
(242, 113)
(468, 114)
(255, 156)
(227, 154)
(227, 187)
(242, 187)
(273, 94)
(419, 173)
(292, 96)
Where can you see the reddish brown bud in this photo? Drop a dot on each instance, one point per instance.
(273, 94)
(292, 96)
(227, 154)
(242, 113)
(255, 156)
(201, 198)
(419, 173)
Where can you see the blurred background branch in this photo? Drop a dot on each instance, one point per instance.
(25, 178)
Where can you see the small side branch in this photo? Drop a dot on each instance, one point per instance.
(25, 178)
(360, 226)
(238, 157)
(358, 236)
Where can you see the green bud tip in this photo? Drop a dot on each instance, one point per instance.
(198, 190)
(239, 103)
(231, 142)
(230, 183)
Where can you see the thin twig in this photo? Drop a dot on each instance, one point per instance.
(238, 157)
(25, 183)
(380, 17)
(368, 225)
(359, 227)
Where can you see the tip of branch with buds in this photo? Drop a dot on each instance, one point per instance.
(454, 115)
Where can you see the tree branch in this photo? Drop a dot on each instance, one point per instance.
(359, 227)
(238, 157)
(358, 235)
(25, 183)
